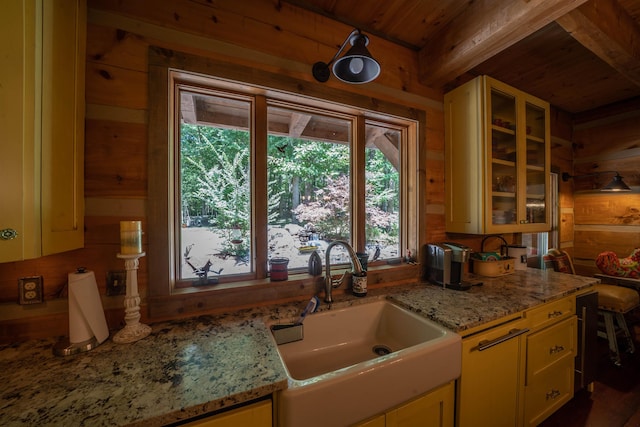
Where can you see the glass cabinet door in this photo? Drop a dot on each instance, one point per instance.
(535, 164)
(497, 173)
(504, 173)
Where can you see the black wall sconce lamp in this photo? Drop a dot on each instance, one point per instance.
(356, 66)
(616, 184)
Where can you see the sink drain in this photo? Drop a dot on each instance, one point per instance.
(381, 350)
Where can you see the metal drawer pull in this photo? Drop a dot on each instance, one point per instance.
(555, 314)
(553, 394)
(483, 345)
(8, 234)
(556, 349)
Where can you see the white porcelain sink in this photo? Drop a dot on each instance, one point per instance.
(336, 376)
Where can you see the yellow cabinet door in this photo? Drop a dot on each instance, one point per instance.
(19, 96)
(490, 387)
(379, 421)
(63, 105)
(254, 415)
(42, 122)
(434, 409)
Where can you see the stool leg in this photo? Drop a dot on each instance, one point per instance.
(611, 337)
(622, 324)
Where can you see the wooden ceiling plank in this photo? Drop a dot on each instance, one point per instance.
(484, 29)
(607, 30)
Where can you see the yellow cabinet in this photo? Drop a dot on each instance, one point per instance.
(378, 421)
(253, 415)
(490, 388)
(434, 409)
(496, 159)
(551, 354)
(42, 121)
(552, 389)
(521, 370)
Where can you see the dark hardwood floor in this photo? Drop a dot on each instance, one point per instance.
(615, 400)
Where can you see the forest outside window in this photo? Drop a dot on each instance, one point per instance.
(258, 177)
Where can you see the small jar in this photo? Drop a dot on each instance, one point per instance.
(359, 284)
(279, 269)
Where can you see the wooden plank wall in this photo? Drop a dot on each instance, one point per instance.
(562, 160)
(606, 140)
(266, 35)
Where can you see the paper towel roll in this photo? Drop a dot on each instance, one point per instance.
(86, 315)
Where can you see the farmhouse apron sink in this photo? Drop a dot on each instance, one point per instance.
(358, 361)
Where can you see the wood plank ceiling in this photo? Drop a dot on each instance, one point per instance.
(577, 54)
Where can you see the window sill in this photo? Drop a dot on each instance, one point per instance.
(229, 297)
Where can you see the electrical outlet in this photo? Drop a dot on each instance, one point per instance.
(30, 290)
(116, 282)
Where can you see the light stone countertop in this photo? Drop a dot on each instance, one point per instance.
(495, 298)
(191, 367)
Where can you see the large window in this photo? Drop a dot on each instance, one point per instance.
(257, 174)
(214, 194)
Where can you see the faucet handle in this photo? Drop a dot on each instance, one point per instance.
(335, 283)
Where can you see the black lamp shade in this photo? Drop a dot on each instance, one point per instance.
(616, 184)
(357, 65)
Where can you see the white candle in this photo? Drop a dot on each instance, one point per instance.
(130, 237)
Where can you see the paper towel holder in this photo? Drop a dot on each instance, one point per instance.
(64, 347)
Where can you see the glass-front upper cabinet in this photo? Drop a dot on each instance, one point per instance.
(496, 159)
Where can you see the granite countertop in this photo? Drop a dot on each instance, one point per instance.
(495, 298)
(183, 369)
(191, 367)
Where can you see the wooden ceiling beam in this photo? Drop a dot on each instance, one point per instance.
(298, 124)
(377, 137)
(187, 108)
(485, 28)
(607, 30)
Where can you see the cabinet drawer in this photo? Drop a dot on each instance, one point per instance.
(551, 312)
(550, 345)
(550, 390)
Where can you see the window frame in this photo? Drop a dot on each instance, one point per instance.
(191, 69)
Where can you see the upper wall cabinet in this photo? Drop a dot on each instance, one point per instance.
(42, 63)
(496, 159)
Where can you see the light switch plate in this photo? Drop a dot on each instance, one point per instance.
(30, 290)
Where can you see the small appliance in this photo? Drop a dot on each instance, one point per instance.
(446, 265)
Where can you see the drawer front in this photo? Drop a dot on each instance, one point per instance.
(550, 345)
(551, 312)
(550, 390)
